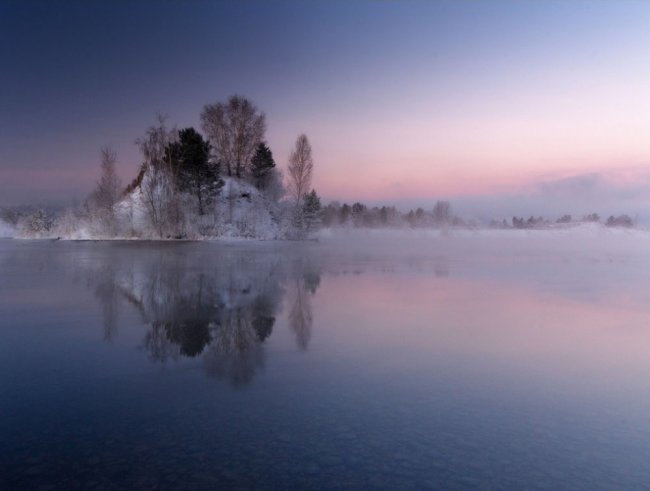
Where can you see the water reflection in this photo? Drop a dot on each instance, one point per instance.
(303, 288)
(106, 289)
(509, 371)
(220, 307)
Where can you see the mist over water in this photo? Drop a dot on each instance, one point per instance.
(379, 359)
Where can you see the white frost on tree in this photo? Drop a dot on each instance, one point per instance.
(158, 188)
(301, 168)
(234, 129)
(106, 195)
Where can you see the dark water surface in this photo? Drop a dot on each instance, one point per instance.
(292, 366)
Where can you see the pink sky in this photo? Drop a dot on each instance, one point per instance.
(420, 101)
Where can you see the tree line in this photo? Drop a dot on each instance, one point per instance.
(358, 214)
(541, 222)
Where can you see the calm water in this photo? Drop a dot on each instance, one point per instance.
(444, 363)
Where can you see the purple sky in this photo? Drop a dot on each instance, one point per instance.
(501, 107)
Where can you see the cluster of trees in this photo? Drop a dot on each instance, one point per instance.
(541, 222)
(620, 221)
(360, 215)
(183, 171)
(180, 190)
(178, 177)
(532, 222)
(29, 218)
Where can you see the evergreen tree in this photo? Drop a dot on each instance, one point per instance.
(344, 214)
(311, 211)
(194, 172)
(357, 211)
(262, 165)
(383, 215)
(442, 213)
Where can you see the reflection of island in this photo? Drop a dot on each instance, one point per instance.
(218, 305)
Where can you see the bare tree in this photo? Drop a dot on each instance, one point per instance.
(234, 129)
(301, 168)
(109, 185)
(107, 192)
(155, 142)
(158, 186)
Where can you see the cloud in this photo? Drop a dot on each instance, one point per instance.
(605, 193)
(585, 186)
(611, 186)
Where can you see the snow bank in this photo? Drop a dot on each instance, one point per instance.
(243, 211)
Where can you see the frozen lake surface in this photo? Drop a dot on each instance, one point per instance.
(492, 360)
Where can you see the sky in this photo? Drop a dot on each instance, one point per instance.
(503, 108)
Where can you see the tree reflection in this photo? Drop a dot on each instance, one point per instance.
(222, 317)
(264, 318)
(236, 353)
(221, 309)
(301, 316)
(190, 335)
(158, 345)
(105, 288)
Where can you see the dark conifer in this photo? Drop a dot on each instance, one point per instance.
(262, 165)
(311, 210)
(194, 172)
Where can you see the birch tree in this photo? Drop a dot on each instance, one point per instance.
(107, 192)
(234, 129)
(301, 168)
(158, 188)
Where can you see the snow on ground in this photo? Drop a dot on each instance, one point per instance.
(239, 212)
(245, 212)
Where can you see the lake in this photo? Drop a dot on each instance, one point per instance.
(362, 361)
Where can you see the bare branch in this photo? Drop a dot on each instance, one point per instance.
(234, 129)
(301, 168)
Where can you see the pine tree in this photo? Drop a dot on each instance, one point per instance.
(262, 165)
(193, 171)
(344, 214)
(311, 211)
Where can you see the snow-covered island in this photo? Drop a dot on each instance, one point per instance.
(191, 187)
